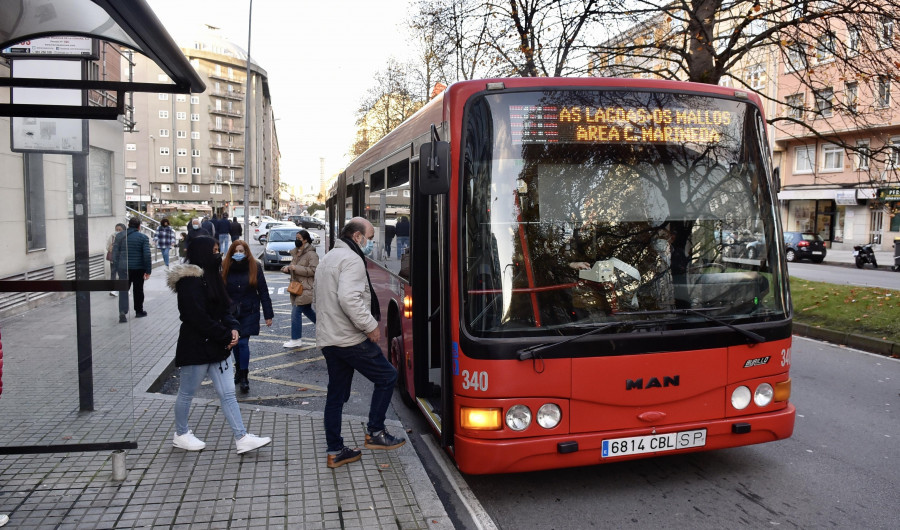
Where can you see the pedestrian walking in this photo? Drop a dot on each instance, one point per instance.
(223, 230)
(347, 332)
(195, 230)
(246, 286)
(390, 230)
(132, 255)
(165, 239)
(304, 261)
(207, 334)
(402, 233)
(110, 257)
(236, 229)
(182, 244)
(208, 225)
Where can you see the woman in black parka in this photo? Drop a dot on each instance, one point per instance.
(208, 332)
(245, 284)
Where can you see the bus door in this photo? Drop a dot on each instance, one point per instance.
(430, 283)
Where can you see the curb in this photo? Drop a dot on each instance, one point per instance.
(851, 340)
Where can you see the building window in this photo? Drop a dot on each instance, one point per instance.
(796, 57)
(212, 189)
(163, 96)
(218, 173)
(181, 98)
(131, 147)
(851, 92)
(164, 151)
(195, 135)
(195, 153)
(182, 188)
(893, 161)
(885, 32)
(794, 104)
(181, 115)
(182, 134)
(755, 76)
(182, 152)
(825, 48)
(863, 154)
(832, 157)
(195, 188)
(883, 98)
(195, 170)
(195, 117)
(195, 100)
(182, 170)
(230, 175)
(131, 164)
(163, 114)
(824, 102)
(164, 170)
(164, 133)
(852, 41)
(803, 159)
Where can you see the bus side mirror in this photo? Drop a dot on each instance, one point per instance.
(434, 168)
(776, 179)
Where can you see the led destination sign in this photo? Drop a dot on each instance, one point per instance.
(548, 124)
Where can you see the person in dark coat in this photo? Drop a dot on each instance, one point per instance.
(236, 229)
(402, 233)
(195, 229)
(389, 232)
(131, 254)
(223, 230)
(207, 334)
(208, 225)
(245, 283)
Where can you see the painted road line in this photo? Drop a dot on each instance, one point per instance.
(291, 396)
(285, 382)
(288, 365)
(477, 512)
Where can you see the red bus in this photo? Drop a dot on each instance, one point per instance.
(593, 271)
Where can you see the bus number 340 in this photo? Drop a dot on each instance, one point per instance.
(475, 380)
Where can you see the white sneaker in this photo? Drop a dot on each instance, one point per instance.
(250, 442)
(293, 343)
(188, 442)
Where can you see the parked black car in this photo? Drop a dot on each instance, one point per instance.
(310, 222)
(804, 245)
(294, 219)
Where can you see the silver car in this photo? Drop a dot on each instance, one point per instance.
(279, 243)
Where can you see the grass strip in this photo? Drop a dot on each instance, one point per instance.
(869, 311)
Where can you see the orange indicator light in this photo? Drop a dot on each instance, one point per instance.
(480, 419)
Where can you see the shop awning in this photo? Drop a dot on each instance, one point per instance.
(130, 23)
(839, 195)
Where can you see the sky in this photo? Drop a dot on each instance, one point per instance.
(320, 58)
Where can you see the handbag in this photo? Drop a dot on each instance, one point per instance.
(295, 288)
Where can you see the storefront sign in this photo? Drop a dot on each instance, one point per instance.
(889, 194)
(845, 197)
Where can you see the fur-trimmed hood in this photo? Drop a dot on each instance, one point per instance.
(182, 270)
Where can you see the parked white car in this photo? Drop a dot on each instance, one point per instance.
(260, 232)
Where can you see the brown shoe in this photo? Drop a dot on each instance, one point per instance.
(346, 456)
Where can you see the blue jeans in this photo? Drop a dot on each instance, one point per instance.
(402, 243)
(222, 376)
(367, 359)
(223, 243)
(165, 253)
(297, 313)
(242, 353)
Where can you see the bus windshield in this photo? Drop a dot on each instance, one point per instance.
(586, 207)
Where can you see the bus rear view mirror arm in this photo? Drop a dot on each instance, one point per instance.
(434, 172)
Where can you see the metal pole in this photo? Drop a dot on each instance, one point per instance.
(247, 143)
(83, 273)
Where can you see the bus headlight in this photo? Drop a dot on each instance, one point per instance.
(740, 398)
(518, 417)
(763, 394)
(548, 416)
(480, 419)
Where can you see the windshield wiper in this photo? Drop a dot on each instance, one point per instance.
(755, 338)
(531, 351)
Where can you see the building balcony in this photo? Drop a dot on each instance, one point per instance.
(224, 77)
(226, 112)
(226, 130)
(226, 147)
(237, 95)
(237, 164)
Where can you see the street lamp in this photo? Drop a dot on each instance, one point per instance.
(247, 149)
(140, 192)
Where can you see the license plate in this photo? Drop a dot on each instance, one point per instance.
(286, 258)
(654, 443)
(816, 252)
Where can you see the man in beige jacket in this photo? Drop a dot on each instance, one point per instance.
(347, 332)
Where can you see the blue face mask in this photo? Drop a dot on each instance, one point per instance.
(238, 256)
(368, 248)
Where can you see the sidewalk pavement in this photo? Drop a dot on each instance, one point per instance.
(285, 484)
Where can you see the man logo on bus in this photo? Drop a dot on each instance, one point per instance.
(654, 382)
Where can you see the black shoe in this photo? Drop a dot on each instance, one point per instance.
(140, 314)
(346, 456)
(122, 318)
(383, 440)
(245, 383)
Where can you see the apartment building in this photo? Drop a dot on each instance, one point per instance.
(190, 153)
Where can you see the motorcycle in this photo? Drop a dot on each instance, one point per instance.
(863, 254)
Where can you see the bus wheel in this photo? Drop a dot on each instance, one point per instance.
(396, 356)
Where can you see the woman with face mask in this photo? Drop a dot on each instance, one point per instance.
(302, 269)
(245, 283)
(208, 332)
